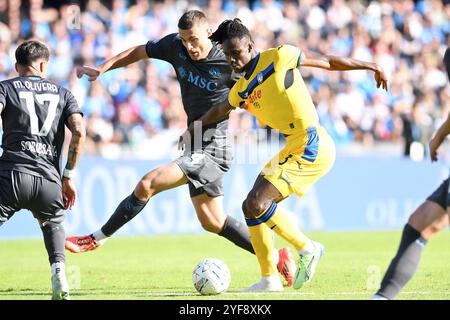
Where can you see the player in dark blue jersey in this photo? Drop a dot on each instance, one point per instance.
(205, 79)
(428, 220)
(34, 114)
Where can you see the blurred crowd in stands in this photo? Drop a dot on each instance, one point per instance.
(137, 111)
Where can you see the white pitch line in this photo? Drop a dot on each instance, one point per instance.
(289, 293)
(268, 294)
(330, 293)
(334, 293)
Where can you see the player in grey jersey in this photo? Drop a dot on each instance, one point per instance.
(205, 79)
(430, 218)
(34, 114)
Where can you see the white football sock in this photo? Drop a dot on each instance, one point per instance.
(276, 256)
(271, 280)
(100, 237)
(58, 267)
(378, 297)
(270, 283)
(308, 248)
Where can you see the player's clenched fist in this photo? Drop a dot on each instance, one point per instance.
(91, 72)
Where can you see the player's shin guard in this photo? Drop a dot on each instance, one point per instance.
(262, 240)
(404, 265)
(282, 225)
(126, 211)
(237, 232)
(54, 238)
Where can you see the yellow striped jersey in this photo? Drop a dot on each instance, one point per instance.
(275, 93)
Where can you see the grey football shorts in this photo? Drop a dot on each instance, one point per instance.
(20, 190)
(204, 172)
(441, 196)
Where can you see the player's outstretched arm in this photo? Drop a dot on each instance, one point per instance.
(76, 125)
(123, 59)
(336, 63)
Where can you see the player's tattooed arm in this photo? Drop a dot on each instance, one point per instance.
(76, 125)
(336, 63)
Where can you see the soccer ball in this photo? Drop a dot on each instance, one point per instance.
(211, 276)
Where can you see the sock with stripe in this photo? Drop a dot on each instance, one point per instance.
(262, 240)
(280, 222)
(237, 232)
(54, 241)
(404, 265)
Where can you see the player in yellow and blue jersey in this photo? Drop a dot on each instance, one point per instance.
(273, 90)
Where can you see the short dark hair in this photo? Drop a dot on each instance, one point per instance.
(189, 18)
(31, 51)
(231, 29)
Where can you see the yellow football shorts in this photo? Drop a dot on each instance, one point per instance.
(303, 160)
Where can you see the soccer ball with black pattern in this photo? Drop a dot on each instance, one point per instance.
(211, 276)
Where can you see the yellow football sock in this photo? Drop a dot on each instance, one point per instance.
(282, 225)
(262, 241)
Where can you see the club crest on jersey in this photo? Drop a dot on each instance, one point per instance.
(260, 78)
(182, 72)
(214, 72)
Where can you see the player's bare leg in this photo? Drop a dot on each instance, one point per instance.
(210, 212)
(163, 178)
(427, 221)
(211, 215)
(262, 215)
(284, 260)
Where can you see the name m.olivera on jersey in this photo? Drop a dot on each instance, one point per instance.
(34, 115)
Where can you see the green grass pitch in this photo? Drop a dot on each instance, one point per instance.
(160, 267)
